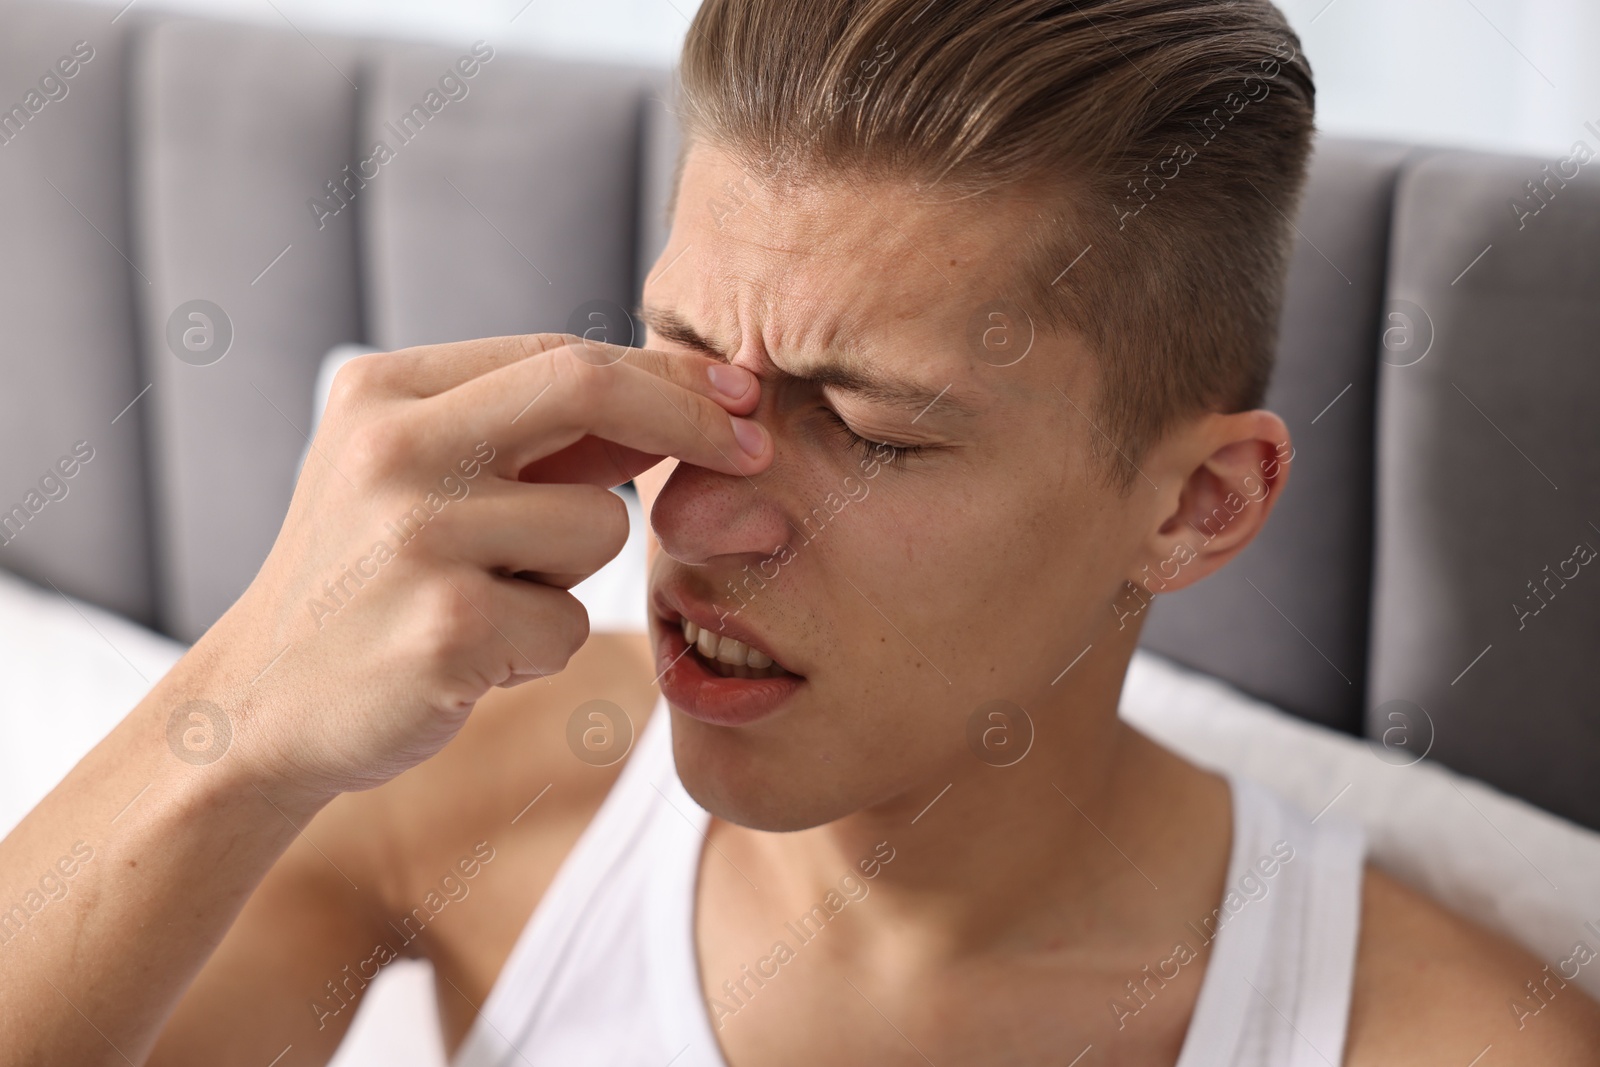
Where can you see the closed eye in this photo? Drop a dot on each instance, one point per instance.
(889, 454)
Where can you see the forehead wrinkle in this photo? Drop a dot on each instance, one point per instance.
(778, 263)
(857, 371)
(858, 380)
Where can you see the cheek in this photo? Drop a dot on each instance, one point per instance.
(1030, 563)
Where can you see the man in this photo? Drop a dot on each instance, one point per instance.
(959, 338)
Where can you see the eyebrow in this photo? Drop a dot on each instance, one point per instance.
(870, 387)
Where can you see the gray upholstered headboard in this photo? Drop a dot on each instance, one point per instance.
(1437, 364)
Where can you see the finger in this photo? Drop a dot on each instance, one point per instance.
(624, 403)
(565, 532)
(512, 628)
(430, 370)
(592, 460)
(734, 388)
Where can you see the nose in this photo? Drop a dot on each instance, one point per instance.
(702, 514)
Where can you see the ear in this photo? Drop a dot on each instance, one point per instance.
(1238, 465)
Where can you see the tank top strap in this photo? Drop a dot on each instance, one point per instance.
(606, 970)
(1277, 988)
(561, 937)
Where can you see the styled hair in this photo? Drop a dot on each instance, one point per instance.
(1164, 143)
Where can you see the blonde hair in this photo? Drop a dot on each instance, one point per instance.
(1167, 140)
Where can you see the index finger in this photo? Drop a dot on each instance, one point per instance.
(428, 370)
(651, 402)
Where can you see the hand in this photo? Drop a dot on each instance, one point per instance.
(452, 495)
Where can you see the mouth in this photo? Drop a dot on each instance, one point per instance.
(717, 671)
(728, 656)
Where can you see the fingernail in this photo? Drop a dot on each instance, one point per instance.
(751, 437)
(729, 380)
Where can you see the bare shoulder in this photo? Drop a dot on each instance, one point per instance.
(521, 780)
(1434, 988)
(519, 738)
(474, 837)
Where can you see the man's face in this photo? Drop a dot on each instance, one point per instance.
(907, 593)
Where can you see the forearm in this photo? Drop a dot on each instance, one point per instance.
(121, 883)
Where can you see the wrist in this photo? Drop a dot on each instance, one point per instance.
(208, 727)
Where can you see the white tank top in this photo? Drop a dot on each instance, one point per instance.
(606, 972)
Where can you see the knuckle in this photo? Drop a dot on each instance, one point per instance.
(588, 384)
(610, 520)
(448, 623)
(378, 449)
(715, 423)
(571, 625)
(602, 517)
(563, 627)
(356, 380)
(538, 344)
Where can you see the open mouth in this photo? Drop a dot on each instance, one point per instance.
(712, 676)
(727, 656)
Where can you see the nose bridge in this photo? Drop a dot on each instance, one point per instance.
(701, 514)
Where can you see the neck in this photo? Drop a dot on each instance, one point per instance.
(1096, 837)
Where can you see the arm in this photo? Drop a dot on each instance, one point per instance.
(338, 906)
(317, 682)
(166, 854)
(265, 988)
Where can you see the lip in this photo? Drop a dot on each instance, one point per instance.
(696, 690)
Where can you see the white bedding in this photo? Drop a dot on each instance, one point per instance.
(1508, 865)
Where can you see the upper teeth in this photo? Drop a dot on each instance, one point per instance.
(723, 649)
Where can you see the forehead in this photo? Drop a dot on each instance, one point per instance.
(834, 262)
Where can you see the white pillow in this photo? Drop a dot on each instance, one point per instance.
(69, 672)
(1510, 866)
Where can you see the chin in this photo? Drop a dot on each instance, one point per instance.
(736, 785)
